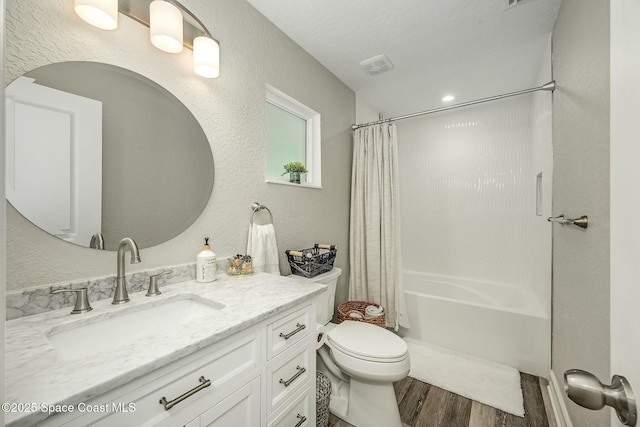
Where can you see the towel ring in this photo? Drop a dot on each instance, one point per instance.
(257, 207)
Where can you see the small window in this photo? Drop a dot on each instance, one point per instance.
(293, 135)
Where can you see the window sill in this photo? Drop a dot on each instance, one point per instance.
(285, 182)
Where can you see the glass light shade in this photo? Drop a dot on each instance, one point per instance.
(206, 57)
(99, 13)
(165, 21)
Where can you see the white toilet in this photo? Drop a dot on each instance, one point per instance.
(362, 361)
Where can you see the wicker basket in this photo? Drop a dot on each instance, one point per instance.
(346, 308)
(323, 394)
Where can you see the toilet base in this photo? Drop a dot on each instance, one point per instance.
(369, 404)
(361, 403)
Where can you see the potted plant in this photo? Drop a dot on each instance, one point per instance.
(294, 169)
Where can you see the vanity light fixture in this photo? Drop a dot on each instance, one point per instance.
(448, 98)
(171, 26)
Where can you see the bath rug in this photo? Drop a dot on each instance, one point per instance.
(481, 380)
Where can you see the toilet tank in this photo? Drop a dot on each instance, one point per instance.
(325, 301)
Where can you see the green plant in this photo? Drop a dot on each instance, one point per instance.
(294, 167)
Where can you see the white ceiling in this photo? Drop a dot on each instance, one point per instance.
(469, 48)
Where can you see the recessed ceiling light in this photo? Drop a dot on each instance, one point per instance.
(448, 98)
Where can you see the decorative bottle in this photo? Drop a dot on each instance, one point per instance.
(206, 264)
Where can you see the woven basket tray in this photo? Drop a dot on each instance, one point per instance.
(346, 308)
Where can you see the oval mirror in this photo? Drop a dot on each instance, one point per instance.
(96, 153)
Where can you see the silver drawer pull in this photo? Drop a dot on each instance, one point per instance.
(302, 419)
(301, 371)
(299, 327)
(204, 383)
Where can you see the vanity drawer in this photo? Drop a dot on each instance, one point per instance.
(224, 368)
(229, 364)
(299, 413)
(289, 373)
(289, 330)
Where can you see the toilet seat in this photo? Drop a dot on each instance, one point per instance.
(368, 342)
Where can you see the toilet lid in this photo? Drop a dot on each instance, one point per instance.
(367, 341)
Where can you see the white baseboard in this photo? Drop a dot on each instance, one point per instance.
(556, 394)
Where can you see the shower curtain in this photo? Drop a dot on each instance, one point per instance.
(374, 236)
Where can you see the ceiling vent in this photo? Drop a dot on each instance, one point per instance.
(376, 65)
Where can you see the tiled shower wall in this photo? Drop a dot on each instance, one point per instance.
(468, 192)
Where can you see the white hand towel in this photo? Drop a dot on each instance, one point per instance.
(372, 311)
(263, 248)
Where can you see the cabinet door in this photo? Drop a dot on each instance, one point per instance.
(241, 409)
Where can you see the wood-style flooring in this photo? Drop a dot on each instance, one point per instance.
(423, 405)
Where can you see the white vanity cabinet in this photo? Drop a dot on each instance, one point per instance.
(287, 392)
(261, 376)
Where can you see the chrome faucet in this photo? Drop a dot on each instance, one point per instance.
(120, 295)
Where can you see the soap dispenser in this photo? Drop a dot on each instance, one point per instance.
(206, 264)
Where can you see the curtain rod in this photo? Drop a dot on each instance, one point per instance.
(547, 87)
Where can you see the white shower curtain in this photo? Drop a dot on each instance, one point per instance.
(374, 236)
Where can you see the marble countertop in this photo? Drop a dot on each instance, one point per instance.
(35, 377)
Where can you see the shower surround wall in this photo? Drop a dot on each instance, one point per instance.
(468, 193)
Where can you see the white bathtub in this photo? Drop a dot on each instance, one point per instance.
(504, 324)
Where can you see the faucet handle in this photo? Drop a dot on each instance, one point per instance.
(153, 284)
(82, 300)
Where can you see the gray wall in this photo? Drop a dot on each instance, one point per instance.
(581, 186)
(230, 109)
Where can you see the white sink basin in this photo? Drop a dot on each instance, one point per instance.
(163, 319)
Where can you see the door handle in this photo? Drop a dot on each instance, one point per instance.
(586, 390)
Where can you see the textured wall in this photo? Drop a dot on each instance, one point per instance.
(581, 187)
(231, 110)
